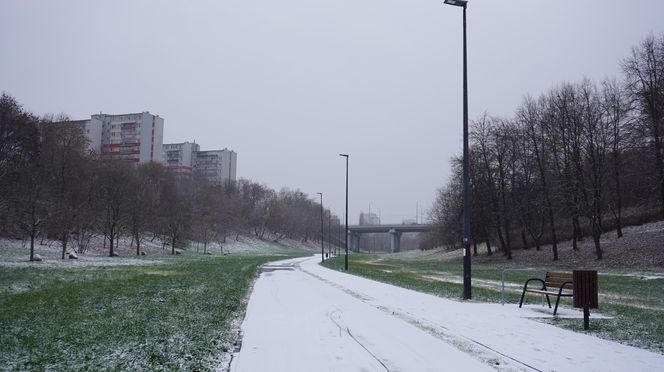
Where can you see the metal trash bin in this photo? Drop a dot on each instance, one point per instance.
(585, 293)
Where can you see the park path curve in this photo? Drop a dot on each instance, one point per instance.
(304, 317)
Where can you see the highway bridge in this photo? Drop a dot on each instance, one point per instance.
(355, 231)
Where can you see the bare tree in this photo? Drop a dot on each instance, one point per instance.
(175, 210)
(64, 152)
(596, 140)
(113, 187)
(532, 118)
(644, 77)
(144, 197)
(618, 113)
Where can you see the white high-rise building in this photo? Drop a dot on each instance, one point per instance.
(179, 157)
(369, 219)
(215, 166)
(135, 138)
(92, 129)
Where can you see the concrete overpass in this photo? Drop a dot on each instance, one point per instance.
(355, 231)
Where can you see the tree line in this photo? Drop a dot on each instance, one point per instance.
(582, 159)
(52, 186)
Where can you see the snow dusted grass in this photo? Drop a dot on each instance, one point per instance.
(637, 305)
(171, 315)
(633, 301)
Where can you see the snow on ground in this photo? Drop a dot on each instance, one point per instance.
(304, 317)
(253, 245)
(15, 253)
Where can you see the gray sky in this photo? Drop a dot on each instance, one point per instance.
(290, 84)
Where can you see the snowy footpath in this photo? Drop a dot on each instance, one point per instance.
(304, 317)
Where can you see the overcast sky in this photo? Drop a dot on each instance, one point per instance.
(290, 84)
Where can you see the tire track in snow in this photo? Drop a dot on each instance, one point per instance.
(486, 354)
(345, 328)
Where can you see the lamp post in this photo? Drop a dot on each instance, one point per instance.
(336, 248)
(322, 244)
(466, 166)
(329, 234)
(346, 221)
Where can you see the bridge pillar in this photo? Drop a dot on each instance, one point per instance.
(396, 240)
(353, 241)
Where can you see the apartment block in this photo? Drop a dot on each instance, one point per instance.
(92, 129)
(179, 157)
(215, 166)
(369, 219)
(135, 138)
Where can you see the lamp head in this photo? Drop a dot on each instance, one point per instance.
(461, 3)
(344, 155)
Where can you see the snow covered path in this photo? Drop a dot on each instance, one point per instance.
(303, 317)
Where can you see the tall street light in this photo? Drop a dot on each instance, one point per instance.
(346, 221)
(466, 165)
(322, 244)
(336, 248)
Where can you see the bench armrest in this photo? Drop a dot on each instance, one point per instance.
(525, 286)
(562, 286)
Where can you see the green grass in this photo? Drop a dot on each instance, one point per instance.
(636, 304)
(170, 316)
(407, 277)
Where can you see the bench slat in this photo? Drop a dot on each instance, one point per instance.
(564, 294)
(559, 276)
(559, 284)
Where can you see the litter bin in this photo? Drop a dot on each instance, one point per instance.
(585, 293)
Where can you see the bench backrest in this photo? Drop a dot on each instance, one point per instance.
(555, 280)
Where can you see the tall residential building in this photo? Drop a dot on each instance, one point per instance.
(92, 129)
(179, 157)
(135, 138)
(215, 166)
(369, 219)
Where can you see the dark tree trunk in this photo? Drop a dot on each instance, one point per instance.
(617, 218)
(574, 244)
(173, 240)
(33, 236)
(523, 238)
(501, 239)
(110, 240)
(597, 233)
(660, 164)
(508, 241)
(64, 240)
(552, 227)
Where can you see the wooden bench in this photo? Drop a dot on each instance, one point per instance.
(554, 284)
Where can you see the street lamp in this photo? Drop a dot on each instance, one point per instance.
(336, 249)
(322, 246)
(346, 221)
(466, 166)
